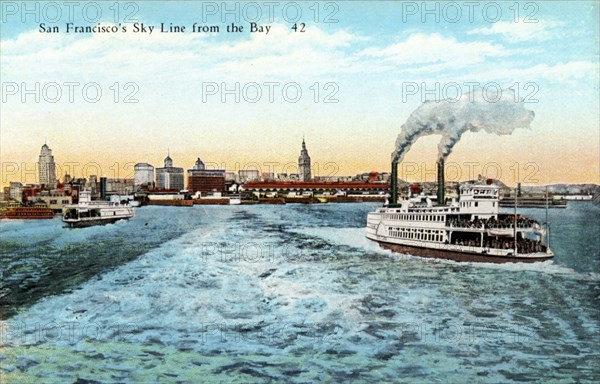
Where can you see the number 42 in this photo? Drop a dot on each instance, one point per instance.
(299, 27)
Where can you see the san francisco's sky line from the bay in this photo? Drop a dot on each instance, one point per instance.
(369, 55)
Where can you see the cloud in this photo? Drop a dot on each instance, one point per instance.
(568, 72)
(506, 73)
(255, 57)
(434, 48)
(541, 30)
(437, 58)
(282, 55)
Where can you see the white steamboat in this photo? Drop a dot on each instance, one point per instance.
(470, 229)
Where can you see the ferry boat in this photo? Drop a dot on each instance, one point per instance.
(172, 202)
(215, 198)
(470, 229)
(27, 213)
(533, 202)
(87, 213)
(177, 199)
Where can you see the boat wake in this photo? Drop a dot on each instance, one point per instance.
(265, 291)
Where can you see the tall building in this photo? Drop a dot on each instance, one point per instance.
(16, 191)
(304, 164)
(169, 177)
(143, 175)
(231, 176)
(47, 168)
(205, 180)
(119, 186)
(248, 175)
(92, 185)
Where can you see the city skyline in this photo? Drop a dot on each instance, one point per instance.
(376, 70)
(410, 171)
(49, 173)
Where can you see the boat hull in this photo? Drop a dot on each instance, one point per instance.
(91, 223)
(457, 255)
(172, 203)
(33, 217)
(271, 200)
(303, 200)
(211, 201)
(533, 203)
(344, 199)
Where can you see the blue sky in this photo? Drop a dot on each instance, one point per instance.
(371, 52)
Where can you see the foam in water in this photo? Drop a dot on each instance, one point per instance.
(343, 305)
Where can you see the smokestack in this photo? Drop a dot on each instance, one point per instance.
(441, 182)
(103, 186)
(394, 183)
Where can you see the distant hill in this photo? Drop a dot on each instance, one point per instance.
(558, 189)
(566, 189)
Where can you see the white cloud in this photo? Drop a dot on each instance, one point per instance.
(434, 48)
(507, 73)
(516, 32)
(565, 73)
(175, 60)
(437, 58)
(282, 52)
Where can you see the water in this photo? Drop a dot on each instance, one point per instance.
(291, 293)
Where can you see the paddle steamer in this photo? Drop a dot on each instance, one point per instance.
(470, 229)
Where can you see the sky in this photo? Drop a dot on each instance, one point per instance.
(345, 79)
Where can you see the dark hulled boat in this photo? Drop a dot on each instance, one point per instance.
(28, 213)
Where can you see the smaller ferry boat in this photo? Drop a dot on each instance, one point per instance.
(87, 213)
(532, 202)
(176, 199)
(305, 197)
(215, 198)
